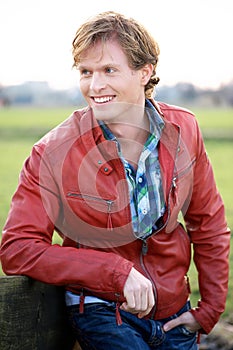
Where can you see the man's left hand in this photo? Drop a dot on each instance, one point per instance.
(186, 319)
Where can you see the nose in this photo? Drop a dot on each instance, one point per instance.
(98, 82)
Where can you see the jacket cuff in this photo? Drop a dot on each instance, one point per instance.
(205, 316)
(121, 274)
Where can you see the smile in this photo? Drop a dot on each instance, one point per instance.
(103, 99)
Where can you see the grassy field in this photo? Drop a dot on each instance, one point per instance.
(21, 128)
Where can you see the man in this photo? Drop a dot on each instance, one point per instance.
(112, 180)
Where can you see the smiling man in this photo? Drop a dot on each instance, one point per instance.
(112, 181)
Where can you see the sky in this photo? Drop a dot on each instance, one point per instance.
(195, 38)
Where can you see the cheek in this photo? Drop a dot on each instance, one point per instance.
(84, 86)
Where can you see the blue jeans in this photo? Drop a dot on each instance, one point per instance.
(96, 329)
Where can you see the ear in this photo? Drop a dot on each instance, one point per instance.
(146, 73)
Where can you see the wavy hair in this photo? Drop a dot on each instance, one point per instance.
(137, 43)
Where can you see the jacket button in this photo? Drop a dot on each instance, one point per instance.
(99, 161)
(106, 170)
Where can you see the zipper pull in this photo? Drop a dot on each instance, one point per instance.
(174, 182)
(117, 312)
(174, 190)
(118, 315)
(109, 222)
(81, 303)
(144, 247)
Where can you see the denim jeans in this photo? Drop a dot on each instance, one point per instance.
(96, 329)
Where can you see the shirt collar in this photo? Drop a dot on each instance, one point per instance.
(106, 131)
(156, 121)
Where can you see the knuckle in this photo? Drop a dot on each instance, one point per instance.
(147, 286)
(151, 304)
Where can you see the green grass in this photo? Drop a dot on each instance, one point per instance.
(30, 123)
(217, 123)
(25, 118)
(48, 117)
(215, 118)
(221, 155)
(21, 128)
(13, 153)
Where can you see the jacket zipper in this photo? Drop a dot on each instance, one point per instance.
(180, 175)
(143, 253)
(186, 170)
(174, 190)
(145, 244)
(108, 202)
(109, 222)
(145, 249)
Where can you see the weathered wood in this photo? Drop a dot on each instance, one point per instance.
(32, 316)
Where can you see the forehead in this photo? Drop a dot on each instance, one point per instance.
(102, 52)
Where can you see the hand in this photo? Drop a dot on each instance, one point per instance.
(139, 295)
(186, 319)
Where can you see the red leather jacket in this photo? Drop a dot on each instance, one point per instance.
(74, 182)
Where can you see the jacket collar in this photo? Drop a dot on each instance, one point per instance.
(92, 136)
(95, 143)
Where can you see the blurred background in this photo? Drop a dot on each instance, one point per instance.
(194, 37)
(39, 88)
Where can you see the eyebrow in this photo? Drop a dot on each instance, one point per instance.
(106, 65)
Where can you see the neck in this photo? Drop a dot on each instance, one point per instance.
(134, 129)
(132, 138)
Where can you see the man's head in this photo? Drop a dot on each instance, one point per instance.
(137, 44)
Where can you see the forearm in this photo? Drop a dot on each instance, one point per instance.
(85, 268)
(212, 262)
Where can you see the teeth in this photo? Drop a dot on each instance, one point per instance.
(103, 99)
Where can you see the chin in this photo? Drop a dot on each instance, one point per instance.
(106, 111)
(111, 111)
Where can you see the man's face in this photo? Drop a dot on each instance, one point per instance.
(108, 84)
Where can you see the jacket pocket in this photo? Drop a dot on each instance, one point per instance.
(93, 204)
(97, 201)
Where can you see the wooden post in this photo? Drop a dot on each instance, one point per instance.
(32, 316)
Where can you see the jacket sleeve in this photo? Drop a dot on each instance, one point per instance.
(27, 248)
(206, 225)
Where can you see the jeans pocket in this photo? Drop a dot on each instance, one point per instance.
(184, 330)
(158, 335)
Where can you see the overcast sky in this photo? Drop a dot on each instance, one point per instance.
(195, 38)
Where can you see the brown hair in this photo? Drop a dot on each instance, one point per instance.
(138, 45)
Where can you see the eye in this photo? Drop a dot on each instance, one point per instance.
(109, 70)
(85, 72)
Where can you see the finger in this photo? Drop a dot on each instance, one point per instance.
(136, 302)
(171, 324)
(149, 304)
(135, 299)
(143, 300)
(125, 307)
(138, 293)
(129, 304)
(186, 319)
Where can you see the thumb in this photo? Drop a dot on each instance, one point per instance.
(171, 324)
